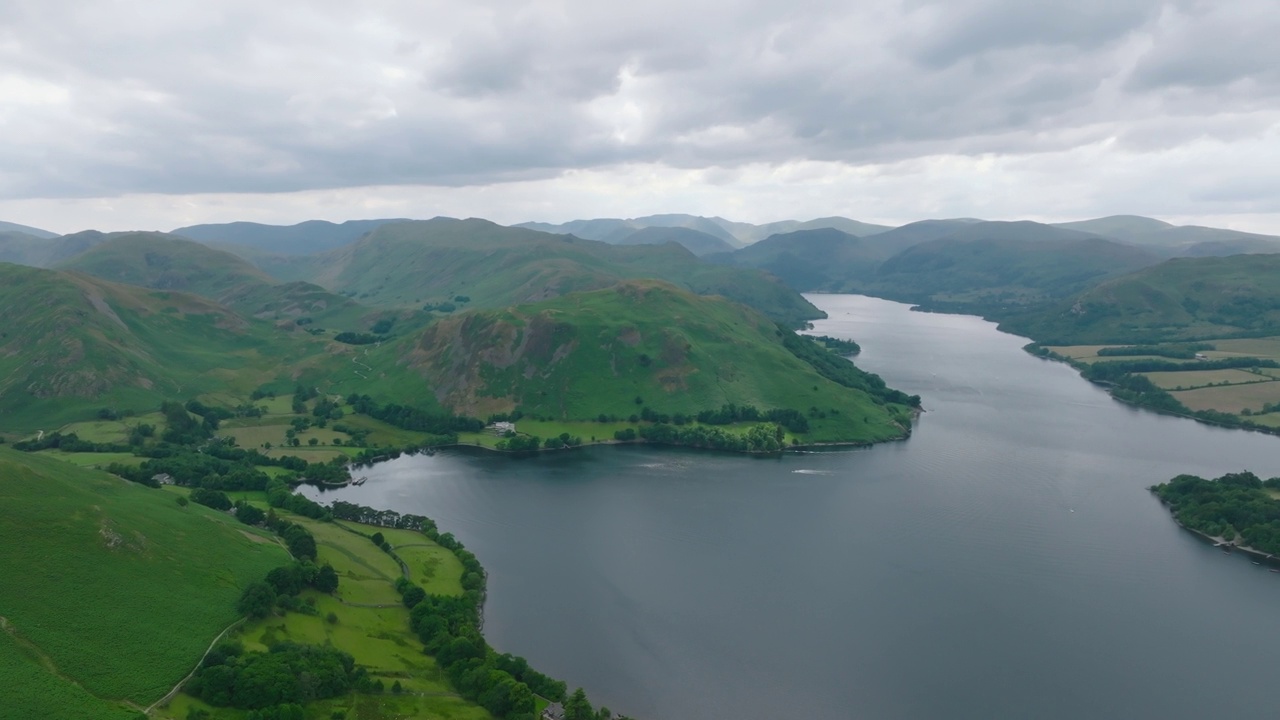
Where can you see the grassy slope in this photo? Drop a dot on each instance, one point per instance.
(582, 355)
(166, 262)
(379, 638)
(1178, 299)
(408, 264)
(119, 588)
(74, 344)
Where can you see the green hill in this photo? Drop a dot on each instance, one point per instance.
(436, 261)
(1183, 298)
(820, 259)
(166, 262)
(583, 355)
(990, 266)
(111, 591)
(72, 344)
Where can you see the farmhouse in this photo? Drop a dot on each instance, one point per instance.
(502, 428)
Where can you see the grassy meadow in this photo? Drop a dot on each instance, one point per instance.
(117, 587)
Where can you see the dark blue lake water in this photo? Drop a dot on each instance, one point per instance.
(1005, 562)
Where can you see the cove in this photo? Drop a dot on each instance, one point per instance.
(1005, 561)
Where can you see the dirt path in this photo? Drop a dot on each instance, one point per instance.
(169, 696)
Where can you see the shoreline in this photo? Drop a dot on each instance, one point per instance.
(1220, 542)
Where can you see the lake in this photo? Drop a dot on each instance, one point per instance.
(1005, 561)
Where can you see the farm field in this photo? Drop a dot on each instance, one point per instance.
(1190, 379)
(1231, 398)
(120, 589)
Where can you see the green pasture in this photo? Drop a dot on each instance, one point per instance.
(1190, 379)
(1231, 398)
(119, 587)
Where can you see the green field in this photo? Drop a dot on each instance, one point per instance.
(119, 588)
(1190, 379)
(96, 460)
(1231, 398)
(379, 638)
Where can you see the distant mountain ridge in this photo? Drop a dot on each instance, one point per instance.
(436, 261)
(26, 230)
(304, 238)
(738, 234)
(166, 262)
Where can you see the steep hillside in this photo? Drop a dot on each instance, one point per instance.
(586, 354)
(166, 262)
(111, 591)
(71, 343)
(304, 238)
(1183, 298)
(1001, 265)
(437, 261)
(695, 241)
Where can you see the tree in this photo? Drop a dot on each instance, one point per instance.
(257, 600)
(182, 501)
(327, 579)
(577, 707)
(413, 596)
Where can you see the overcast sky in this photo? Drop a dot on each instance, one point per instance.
(122, 114)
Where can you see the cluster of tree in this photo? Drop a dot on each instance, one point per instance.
(839, 370)
(1236, 504)
(563, 440)
(301, 394)
(383, 326)
(410, 418)
(358, 338)
(381, 518)
(215, 499)
(763, 438)
(198, 469)
(444, 307)
(183, 429)
(286, 675)
(792, 420)
(520, 443)
(279, 495)
(327, 409)
(839, 346)
(1177, 352)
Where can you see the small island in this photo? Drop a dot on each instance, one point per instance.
(1238, 509)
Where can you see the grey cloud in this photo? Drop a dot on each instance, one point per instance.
(241, 96)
